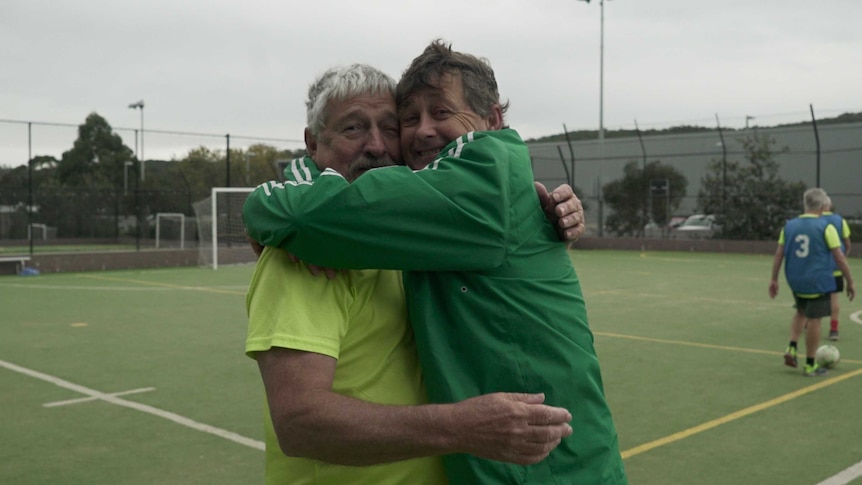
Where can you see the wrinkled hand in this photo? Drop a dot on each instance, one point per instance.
(255, 246)
(773, 288)
(564, 210)
(511, 427)
(316, 270)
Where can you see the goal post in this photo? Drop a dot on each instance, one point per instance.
(171, 215)
(220, 227)
(43, 227)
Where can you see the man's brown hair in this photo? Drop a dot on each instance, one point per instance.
(477, 77)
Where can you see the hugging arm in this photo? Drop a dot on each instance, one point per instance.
(312, 421)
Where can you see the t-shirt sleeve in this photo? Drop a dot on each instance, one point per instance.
(290, 308)
(452, 215)
(832, 240)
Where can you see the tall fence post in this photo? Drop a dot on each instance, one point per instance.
(647, 213)
(723, 166)
(30, 185)
(817, 140)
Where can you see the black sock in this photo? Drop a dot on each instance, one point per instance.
(792, 344)
(809, 361)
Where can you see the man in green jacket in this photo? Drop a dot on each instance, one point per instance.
(338, 358)
(492, 295)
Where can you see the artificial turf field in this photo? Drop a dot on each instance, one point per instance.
(139, 377)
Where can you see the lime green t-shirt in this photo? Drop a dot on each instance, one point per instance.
(360, 319)
(844, 233)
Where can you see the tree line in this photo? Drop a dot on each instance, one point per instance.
(100, 161)
(747, 196)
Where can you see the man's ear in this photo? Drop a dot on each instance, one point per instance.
(310, 143)
(495, 118)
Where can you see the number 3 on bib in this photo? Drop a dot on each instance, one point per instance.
(803, 242)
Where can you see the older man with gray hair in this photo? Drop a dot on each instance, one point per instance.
(810, 247)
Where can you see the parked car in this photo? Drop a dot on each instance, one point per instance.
(676, 221)
(653, 230)
(697, 226)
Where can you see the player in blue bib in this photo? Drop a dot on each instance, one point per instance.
(810, 249)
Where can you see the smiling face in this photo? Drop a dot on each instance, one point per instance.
(360, 133)
(432, 117)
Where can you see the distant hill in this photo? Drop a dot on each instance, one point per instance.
(583, 135)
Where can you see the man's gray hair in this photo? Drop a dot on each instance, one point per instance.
(815, 199)
(340, 83)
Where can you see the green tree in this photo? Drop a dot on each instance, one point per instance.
(633, 205)
(751, 200)
(19, 177)
(97, 158)
(262, 161)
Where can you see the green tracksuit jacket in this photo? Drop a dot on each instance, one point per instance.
(492, 294)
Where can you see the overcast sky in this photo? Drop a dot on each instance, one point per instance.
(243, 67)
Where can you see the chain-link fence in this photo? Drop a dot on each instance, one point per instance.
(829, 156)
(40, 217)
(94, 217)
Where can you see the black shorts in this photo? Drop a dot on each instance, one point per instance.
(839, 284)
(817, 307)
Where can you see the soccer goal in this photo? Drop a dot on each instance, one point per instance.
(171, 230)
(220, 228)
(42, 227)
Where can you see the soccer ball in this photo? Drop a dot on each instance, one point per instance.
(827, 356)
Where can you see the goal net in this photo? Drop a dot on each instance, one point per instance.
(220, 228)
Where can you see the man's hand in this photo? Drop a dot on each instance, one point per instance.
(510, 427)
(773, 288)
(851, 290)
(564, 210)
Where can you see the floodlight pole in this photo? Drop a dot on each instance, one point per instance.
(140, 105)
(126, 166)
(601, 112)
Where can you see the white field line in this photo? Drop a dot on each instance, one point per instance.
(176, 418)
(857, 317)
(844, 477)
(217, 289)
(86, 399)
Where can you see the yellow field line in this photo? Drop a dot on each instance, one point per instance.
(756, 305)
(166, 285)
(730, 417)
(738, 414)
(698, 344)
